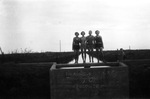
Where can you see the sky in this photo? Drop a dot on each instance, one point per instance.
(42, 25)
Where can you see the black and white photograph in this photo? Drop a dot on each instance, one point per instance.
(74, 49)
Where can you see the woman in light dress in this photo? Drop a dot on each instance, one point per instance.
(83, 46)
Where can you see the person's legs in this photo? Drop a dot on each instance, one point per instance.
(97, 52)
(90, 50)
(89, 54)
(84, 55)
(102, 55)
(75, 56)
(92, 54)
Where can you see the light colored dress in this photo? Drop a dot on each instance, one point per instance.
(83, 42)
(76, 42)
(98, 42)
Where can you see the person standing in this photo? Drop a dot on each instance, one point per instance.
(3, 56)
(121, 54)
(76, 46)
(99, 46)
(90, 45)
(83, 46)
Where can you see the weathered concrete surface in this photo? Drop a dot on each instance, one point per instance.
(89, 83)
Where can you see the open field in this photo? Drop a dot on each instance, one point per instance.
(27, 76)
(59, 57)
(139, 78)
(25, 80)
(65, 57)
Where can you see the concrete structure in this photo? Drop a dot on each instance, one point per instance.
(89, 81)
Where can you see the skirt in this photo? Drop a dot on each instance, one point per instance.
(98, 46)
(76, 47)
(90, 46)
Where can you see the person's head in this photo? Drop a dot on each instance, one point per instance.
(97, 32)
(82, 33)
(76, 34)
(121, 49)
(90, 32)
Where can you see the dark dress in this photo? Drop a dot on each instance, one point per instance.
(98, 42)
(76, 43)
(90, 43)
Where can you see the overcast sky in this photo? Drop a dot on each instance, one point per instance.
(39, 25)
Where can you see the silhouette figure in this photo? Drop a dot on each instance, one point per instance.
(3, 57)
(83, 46)
(76, 46)
(99, 46)
(90, 45)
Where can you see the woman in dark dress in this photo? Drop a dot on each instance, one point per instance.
(76, 46)
(90, 45)
(99, 46)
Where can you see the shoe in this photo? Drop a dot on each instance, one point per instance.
(83, 61)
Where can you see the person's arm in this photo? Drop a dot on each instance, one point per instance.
(102, 42)
(85, 40)
(93, 40)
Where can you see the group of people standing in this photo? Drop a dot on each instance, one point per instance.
(90, 42)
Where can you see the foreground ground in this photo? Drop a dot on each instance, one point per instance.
(31, 80)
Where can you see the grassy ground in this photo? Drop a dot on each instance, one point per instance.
(139, 78)
(112, 56)
(65, 57)
(59, 57)
(25, 81)
(31, 80)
